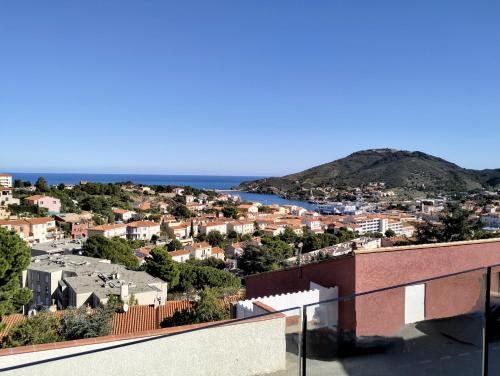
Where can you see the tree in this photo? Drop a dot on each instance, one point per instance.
(78, 323)
(41, 328)
(193, 277)
(174, 245)
(42, 185)
(216, 239)
(15, 257)
(230, 212)
(289, 236)
(116, 250)
(256, 259)
(279, 249)
(161, 265)
(180, 211)
(208, 308)
(390, 233)
(209, 261)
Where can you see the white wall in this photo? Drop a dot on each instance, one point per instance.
(240, 349)
(324, 314)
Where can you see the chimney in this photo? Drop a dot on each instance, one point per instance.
(124, 292)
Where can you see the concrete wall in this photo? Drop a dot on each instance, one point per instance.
(251, 348)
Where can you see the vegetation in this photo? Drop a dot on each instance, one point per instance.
(415, 170)
(216, 239)
(208, 308)
(14, 258)
(74, 324)
(161, 265)
(174, 245)
(194, 277)
(117, 250)
(456, 225)
(256, 259)
(210, 261)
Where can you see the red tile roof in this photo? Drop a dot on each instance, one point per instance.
(142, 318)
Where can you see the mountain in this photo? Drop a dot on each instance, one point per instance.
(395, 168)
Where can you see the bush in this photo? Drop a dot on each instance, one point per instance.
(42, 328)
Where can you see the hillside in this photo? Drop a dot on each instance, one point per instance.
(395, 168)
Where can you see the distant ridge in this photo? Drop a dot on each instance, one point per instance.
(395, 168)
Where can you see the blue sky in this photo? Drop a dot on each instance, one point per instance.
(245, 87)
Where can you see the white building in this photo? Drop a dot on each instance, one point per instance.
(491, 220)
(208, 227)
(116, 230)
(5, 180)
(123, 214)
(241, 227)
(142, 230)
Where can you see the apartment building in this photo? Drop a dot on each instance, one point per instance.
(241, 227)
(111, 230)
(142, 230)
(491, 220)
(5, 180)
(74, 281)
(208, 227)
(52, 204)
(33, 230)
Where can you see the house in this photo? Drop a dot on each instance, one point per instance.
(178, 191)
(142, 230)
(144, 205)
(218, 253)
(234, 250)
(6, 197)
(195, 206)
(123, 215)
(110, 230)
(52, 204)
(203, 250)
(208, 227)
(181, 255)
(248, 208)
(241, 227)
(312, 223)
(76, 224)
(273, 230)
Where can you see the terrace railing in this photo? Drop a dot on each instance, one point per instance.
(447, 325)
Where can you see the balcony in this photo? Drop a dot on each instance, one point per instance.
(446, 325)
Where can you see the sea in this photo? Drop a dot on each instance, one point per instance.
(220, 183)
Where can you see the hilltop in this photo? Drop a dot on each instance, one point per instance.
(394, 168)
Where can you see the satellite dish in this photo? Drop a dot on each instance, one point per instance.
(125, 307)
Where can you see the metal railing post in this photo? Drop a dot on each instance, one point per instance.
(303, 350)
(487, 314)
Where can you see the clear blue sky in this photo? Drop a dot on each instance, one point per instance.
(250, 87)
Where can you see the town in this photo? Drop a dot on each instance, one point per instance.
(122, 250)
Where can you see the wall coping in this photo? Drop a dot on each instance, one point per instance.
(136, 335)
(424, 246)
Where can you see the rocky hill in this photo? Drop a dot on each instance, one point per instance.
(395, 168)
